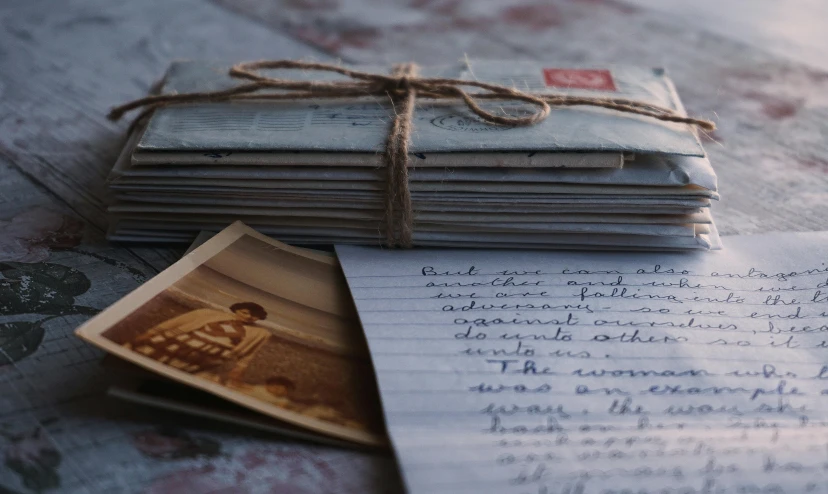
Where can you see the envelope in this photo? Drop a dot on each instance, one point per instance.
(361, 125)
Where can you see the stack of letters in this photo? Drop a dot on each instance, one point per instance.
(309, 172)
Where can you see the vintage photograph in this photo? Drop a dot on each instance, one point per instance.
(260, 323)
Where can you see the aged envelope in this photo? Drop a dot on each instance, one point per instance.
(360, 126)
(262, 324)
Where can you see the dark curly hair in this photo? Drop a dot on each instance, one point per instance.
(256, 310)
(281, 381)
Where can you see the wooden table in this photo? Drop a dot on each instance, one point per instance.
(756, 67)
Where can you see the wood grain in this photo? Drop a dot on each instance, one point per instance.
(63, 64)
(770, 151)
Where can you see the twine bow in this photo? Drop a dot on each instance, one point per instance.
(403, 86)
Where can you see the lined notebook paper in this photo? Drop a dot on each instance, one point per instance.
(578, 373)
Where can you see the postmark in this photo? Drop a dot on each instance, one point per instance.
(464, 123)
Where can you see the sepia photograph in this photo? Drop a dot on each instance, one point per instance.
(257, 322)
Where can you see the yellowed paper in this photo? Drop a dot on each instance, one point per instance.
(259, 323)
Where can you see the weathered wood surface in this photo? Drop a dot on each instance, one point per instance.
(770, 151)
(793, 30)
(63, 64)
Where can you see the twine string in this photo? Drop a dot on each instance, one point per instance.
(402, 86)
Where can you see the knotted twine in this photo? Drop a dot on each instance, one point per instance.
(403, 86)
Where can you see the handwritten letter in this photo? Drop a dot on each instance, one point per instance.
(579, 373)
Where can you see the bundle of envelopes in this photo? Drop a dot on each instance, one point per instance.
(309, 171)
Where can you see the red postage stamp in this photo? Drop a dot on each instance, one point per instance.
(595, 79)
